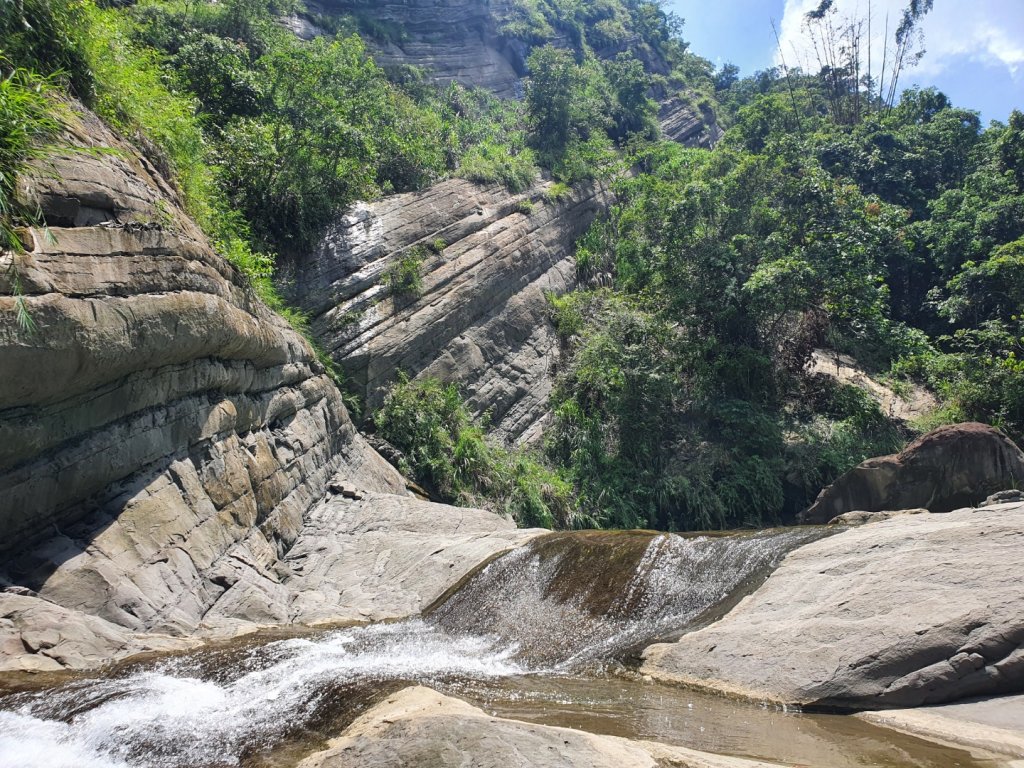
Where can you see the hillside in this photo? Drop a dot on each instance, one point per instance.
(521, 199)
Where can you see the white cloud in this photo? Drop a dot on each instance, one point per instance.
(989, 32)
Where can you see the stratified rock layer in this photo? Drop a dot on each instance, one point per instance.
(481, 318)
(420, 727)
(451, 40)
(947, 468)
(917, 609)
(164, 438)
(682, 123)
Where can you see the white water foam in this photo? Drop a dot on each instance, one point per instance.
(509, 619)
(168, 718)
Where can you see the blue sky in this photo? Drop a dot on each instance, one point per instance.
(974, 48)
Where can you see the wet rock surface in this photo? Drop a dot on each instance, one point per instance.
(917, 609)
(995, 724)
(948, 468)
(418, 726)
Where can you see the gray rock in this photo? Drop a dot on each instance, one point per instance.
(420, 727)
(374, 558)
(860, 517)
(917, 609)
(452, 40)
(481, 320)
(948, 468)
(164, 439)
(685, 124)
(995, 725)
(38, 636)
(1003, 497)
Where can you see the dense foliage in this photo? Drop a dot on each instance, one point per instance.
(447, 451)
(684, 398)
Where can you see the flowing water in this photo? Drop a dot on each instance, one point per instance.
(545, 633)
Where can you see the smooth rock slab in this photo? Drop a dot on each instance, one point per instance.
(996, 725)
(917, 609)
(374, 558)
(420, 727)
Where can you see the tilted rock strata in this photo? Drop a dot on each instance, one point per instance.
(452, 40)
(950, 467)
(481, 319)
(418, 726)
(686, 125)
(164, 437)
(917, 609)
(380, 557)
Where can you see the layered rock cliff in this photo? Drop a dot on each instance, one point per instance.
(480, 320)
(466, 41)
(453, 40)
(164, 435)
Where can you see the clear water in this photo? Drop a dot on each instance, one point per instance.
(543, 633)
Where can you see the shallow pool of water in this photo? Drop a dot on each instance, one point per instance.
(545, 633)
(263, 704)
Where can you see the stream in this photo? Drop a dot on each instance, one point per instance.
(549, 633)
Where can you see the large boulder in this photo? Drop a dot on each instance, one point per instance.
(917, 609)
(948, 468)
(420, 727)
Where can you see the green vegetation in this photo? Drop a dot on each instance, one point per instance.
(405, 277)
(448, 452)
(27, 121)
(890, 231)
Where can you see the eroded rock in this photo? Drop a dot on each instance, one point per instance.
(166, 442)
(860, 517)
(490, 258)
(917, 609)
(420, 727)
(39, 636)
(948, 468)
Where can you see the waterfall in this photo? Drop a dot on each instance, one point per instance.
(588, 597)
(560, 604)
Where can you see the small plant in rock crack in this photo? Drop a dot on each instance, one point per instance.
(405, 277)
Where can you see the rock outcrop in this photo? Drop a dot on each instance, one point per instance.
(418, 726)
(904, 407)
(452, 40)
(490, 258)
(688, 125)
(995, 725)
(917, 609)
(948, 468)
(165, 439)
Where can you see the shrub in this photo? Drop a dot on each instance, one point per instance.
(447, 451)
(491, 163)
(28, 118)
(405, 276)
(558, 192)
